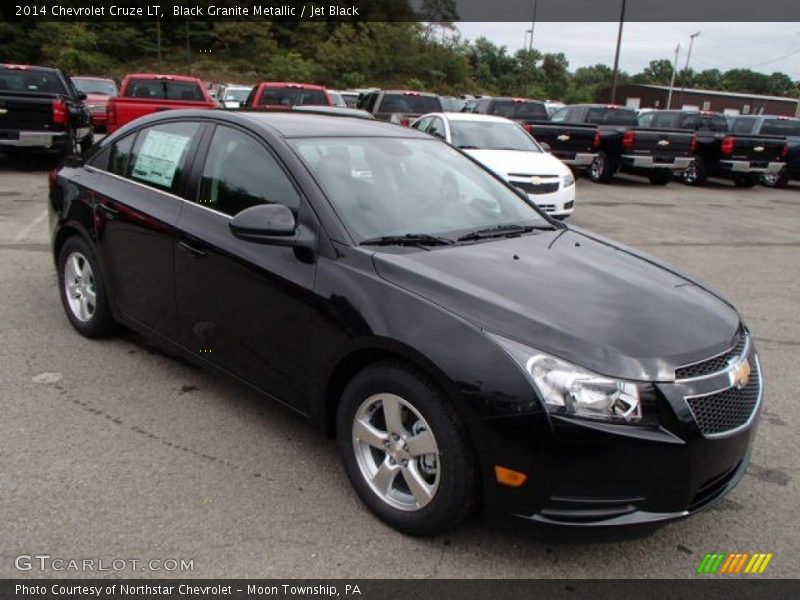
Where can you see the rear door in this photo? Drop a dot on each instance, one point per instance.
(244, 306)
(137, 197)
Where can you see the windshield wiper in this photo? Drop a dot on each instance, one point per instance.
(500, 231)
(468, 147)
(408, 239)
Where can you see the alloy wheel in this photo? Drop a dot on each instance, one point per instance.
(396, 452)
(79, 287)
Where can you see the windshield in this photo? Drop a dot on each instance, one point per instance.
(159, 89)
(484, 135)
(392, 186)
(293, 96)
(237, 95)
(31, 81)
(519, 109)
(95, 86)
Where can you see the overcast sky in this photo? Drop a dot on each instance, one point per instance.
(759, 46)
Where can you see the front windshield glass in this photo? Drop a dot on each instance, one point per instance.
(393, 186)
(95, 86)
(491, 136)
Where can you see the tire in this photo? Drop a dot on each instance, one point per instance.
(745, 180)
(695, 174)
(776, 180)
(602, 168)
(82, 290)
(660, 177)
(380, 465)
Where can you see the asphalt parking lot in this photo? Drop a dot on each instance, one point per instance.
(112, 450)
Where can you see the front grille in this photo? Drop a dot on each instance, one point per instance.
(538, 188)
(715, 364)
(726, 410)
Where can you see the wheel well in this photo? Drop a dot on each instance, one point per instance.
(356, 362)
(61, 237)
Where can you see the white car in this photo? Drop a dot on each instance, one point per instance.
(507, 149)
(235, 95)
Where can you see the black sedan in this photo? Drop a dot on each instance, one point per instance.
(464, 349)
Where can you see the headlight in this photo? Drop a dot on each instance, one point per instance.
(572, 390)
(569, 179)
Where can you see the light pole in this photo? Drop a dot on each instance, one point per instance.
(672, 80)
(686, 68)
(533, 26)
(616, 55)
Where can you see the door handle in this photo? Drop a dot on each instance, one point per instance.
(109, 210)
(192, 251)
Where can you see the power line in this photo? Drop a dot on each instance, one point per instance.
(766, 62)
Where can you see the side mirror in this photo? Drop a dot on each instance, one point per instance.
(545, 146)
(271, 224)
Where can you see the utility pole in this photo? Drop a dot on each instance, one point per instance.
(686, 68)
(616, 55)
(158, 43)
(188, 48)
(533, 26)
(672, 80)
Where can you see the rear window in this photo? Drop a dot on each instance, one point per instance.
(665, 120)
(519, 109)
(31, 81)
(95, 86)
(409, 103)
(164, 89)
(743, 126)
(781, 127)
(611, 116)
(292, 96)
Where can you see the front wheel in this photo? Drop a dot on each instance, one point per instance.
(405, 450)
(83, 292)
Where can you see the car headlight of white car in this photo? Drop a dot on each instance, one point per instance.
(570, 390)
(568, 179)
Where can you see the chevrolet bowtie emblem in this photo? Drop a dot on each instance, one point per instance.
(740, 375)
(563, 137)
(536, 180)
(663, 143)
(759, 148)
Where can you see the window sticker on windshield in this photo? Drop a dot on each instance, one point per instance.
(159, 157)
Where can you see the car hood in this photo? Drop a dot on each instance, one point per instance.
(575, 296)
(504, 162)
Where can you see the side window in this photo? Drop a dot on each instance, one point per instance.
(560, 116)
(422, 124)
(240, 172)
(160, 155)
(646, 119)
(121, 155)
(436, 128)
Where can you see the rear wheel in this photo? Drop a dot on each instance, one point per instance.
(602, 168)
(405, 450)
(695, 174)
(776, 180)
(83, 292)
(745, 180)
(660, 176)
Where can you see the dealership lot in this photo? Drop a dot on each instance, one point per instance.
(112, 450)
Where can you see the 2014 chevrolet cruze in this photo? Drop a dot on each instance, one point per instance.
(464, 348)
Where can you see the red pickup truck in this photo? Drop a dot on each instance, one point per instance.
(145, 93)
(281, 95)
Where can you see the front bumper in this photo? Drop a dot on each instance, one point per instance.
(560, 203)
(678, 163)
(592, 475)
(746, 166)
(32, 139)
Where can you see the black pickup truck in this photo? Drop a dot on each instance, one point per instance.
(623, 146)
(741, 157)
(573, 144)
(40, 109)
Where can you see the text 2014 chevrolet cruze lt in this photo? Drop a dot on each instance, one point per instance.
(464, 349)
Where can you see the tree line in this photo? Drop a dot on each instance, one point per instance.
(425, 56)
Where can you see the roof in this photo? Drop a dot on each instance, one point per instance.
(14, 66)
(162, 76)
(305, 86)
(459, 116)
(92, 77)
(298, 124)
(716, 93)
